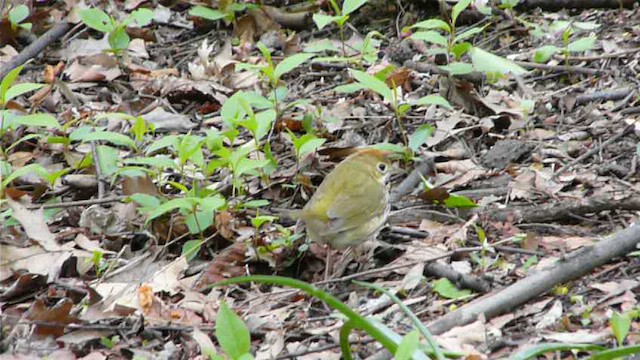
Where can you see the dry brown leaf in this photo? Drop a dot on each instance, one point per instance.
(228, 263)
(56, 317)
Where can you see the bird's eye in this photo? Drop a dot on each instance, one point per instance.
(382, 167)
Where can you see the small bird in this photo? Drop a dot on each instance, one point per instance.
(352, 203)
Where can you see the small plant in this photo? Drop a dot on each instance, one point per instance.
(340, 19)
(391, 95)
(16, 17)
(226, 11)
(572, 39)
(118, 38)
(304, 145)
(455, 46)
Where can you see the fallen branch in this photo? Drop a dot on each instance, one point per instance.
(36, 47)
(577, 264)
(556, 212)
(553, 5)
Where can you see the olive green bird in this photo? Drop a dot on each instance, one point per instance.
(352, 203)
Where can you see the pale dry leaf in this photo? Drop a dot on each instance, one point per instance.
(413, 277)
(272, 346)
(167, 278)
(549, 318)
(166, 121)
(615, 287)
(207, 348)
(580, 336)
(34, 225)
(90, 245)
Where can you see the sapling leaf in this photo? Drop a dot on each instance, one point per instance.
(420, 136)
(433, 100)
(458, 8)
(445, 288)
(232, 333)
(620, 326)
(96, 19)
(109, 136)
(37, 120)
(142, 16)
(322, 20)
(290, 63)
(408, 346)
(431, 36)
(544, 53)
(169, 206)
(487, 62)
(7, 81)
(583, 44)
(206, 13)
(432, 24)
(349, 6)
(374, 84)
(18, 13)
(468, 33)
(458, 68)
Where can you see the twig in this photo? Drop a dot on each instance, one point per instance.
(36, 47)
(575, 265)
(77, 203)
(559, 68)
(594, 150)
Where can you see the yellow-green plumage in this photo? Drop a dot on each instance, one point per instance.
(351, 204)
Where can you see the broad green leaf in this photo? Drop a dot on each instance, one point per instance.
(544, 53)
(19, 89)
(624, 352)
(349, 6)
(119, 39)
(485, 61)
(431, 36)
(8, 80)
(206, 13)
(458, 8)
(18, 13)
(320, 46)
(38, 120)
(445, 288)
(112, 137)
(458, 68)
(96, 19)
(620, 326)
(158, 162)
(169, 206)
(433, 24)
(373, 83)
(145, 200)
(460, 49)
(28, 169)
(162, 143)
(433, 100)
(191, 248)
(108, 159)
(468, 33)
(142, 16)
(231, 332)
(322, 20)
(310, 145)
(459, 202)
(290, 63)
(420, 136)
(583, 44)
(246, 165)
(408, 346)
(586, 25)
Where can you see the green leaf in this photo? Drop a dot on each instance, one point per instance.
(615, 354)
(206, 13)
(620, 326)
(583, 44)
(169, 206)
(143, 17)
(145, 200)
(487, 62)
(191, 248)
(433, 100)
(7, 81)
(468, 33)
(433, 24)
(447, 289)
(373, 83)
(109, 136)
(459, 202)
(19, 89)
(108, 159)
(96, 19)
(231, 332)
(38, 120)
(290, 63)
(420, 136)
(18, 13)
(349, 6)
(431, 36)
(161, 143)
(28, 169)
(119, 39)
(544, 53)
(458, 8)
(408, 346)
(460, 49)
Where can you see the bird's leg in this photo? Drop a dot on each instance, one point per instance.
(328, 266)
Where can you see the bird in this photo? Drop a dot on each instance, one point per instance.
(351, 205)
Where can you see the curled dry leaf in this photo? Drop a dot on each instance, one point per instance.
(51, 320)
(230, 262)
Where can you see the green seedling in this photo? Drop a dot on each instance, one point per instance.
(117, 30)
(340, 18)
